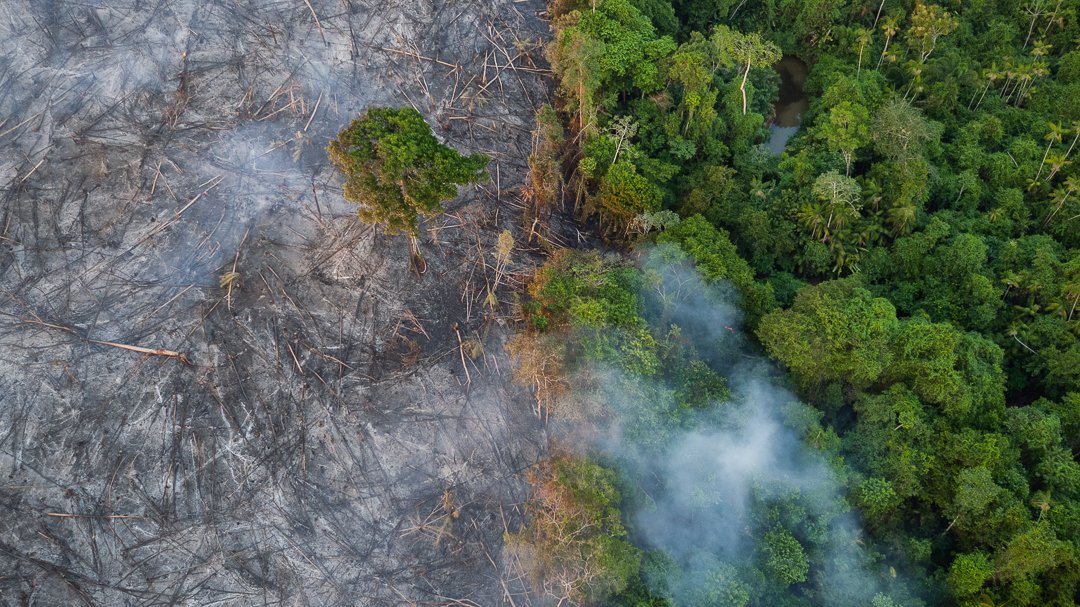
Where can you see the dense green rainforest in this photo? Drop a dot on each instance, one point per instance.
(911, 261)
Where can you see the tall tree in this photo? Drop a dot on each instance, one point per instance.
(691, 70)
(574, 56)
(746, 51)
(929, 22)
(1053, 136)
(603, 48)
(968, 573)
(889, 27)
(785, 560)
(900, 131)
(847, 130)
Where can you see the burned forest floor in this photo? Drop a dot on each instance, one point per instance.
(217, 387)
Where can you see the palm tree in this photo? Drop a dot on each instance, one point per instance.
(890, 27)
(1014, 332)
(1038, 70)
(916, 74)
(865, 36)
(1041, 48)
(1030, 70)
(991, 76)
(1053, 136)
(1071, 185)
(878, 15)
(812, 216)
(1016, 76)
(825, 219)
(1071, 291)
(845, 257)
(1056, 162)
(761, 189)
(1023, 76)
(1036, 11)
(1053, 18)
(902, 218)
(872, 231)
(1008, 73)
(1031, 285)
(1076, 136)
(1011, 280)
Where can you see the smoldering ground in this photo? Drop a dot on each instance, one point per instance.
(164, 187)
(704, 488)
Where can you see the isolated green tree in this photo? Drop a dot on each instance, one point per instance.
(720, 586)
(625, 194)
(691, 69)
(877, 498)
(975, 493)
(395, 169)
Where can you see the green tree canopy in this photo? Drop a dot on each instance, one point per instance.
(395, 169)
(900, 131)
(946, 370)
(847, 130)
(834, 330)
(929, 22)
(785, 559)
(968, 573)
(746, 51)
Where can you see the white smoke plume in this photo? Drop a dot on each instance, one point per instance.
(705, 488)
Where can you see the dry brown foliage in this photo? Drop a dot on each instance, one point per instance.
(539, 364)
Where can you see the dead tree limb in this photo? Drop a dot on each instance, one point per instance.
(461, 351)
(180, 356)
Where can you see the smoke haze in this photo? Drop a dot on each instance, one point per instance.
(710, 487)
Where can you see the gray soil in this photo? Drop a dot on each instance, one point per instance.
(324, 446)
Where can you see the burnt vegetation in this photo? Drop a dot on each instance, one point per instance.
(216, 386)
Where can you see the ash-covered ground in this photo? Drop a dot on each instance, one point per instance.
(165, 188)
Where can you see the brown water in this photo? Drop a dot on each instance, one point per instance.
(790, 105)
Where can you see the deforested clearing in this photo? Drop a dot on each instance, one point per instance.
(216, 386)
